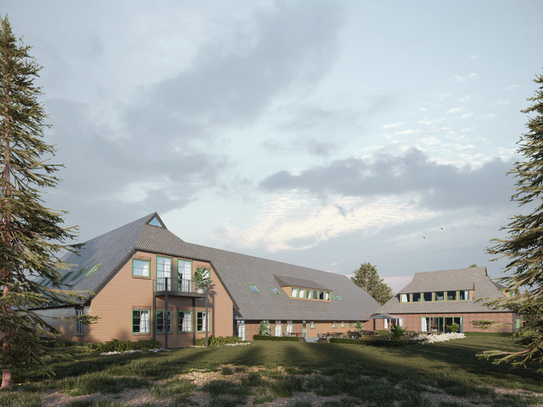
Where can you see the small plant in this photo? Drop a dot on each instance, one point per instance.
(453, 328)
(358, 326)
(201, 278)
(218, 340)
(397, 332)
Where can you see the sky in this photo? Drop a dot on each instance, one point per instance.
(319, 133)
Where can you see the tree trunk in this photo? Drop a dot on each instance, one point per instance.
(6, 347)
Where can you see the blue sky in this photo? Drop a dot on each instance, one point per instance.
(324, 134)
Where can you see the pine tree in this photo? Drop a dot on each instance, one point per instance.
(367, 278)
(31, 238)
(524, 248)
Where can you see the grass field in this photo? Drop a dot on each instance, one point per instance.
(378, 376)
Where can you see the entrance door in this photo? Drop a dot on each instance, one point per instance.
(304, 328)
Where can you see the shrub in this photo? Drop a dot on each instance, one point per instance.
(453, 328)
(221, 340)
(117, 346)
(397, 332)
(275, 338)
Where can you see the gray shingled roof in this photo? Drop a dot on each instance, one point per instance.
(472, 278)
(235, 271)
(287, 281)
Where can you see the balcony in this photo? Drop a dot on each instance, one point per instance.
(177, 288)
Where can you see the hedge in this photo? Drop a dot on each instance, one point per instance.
(117, 346)
(503, 334)
(276, 338)
(376, 342)
(221, 340)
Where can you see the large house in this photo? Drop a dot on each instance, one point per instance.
(437, 299)
(141, 278)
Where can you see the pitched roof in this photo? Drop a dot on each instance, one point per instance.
(472, 278)
(235, 271)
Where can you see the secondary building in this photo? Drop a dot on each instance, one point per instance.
(437, 299)
(142, 281)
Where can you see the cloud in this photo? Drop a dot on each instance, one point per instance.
(511, 87)
(474, 57)
(393, 125)
(461, 79)
(464, 98)
(455, 110)
(438, 186)
(466, 115)
(473, 76)
(443, 96)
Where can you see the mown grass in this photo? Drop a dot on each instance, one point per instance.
(380, 376)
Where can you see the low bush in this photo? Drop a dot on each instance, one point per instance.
(499, 334)
(117, 346)
(276, 338)
(218, 340)
(375, 342)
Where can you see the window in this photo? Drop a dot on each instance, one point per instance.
(312, 324)
(278, 328)
(253, 288)
(416, 297)
(451, 295)
(141, 268)
(464, 295)
(321, 295)
(92, 270)
(184, 275)
(79, 273)
(275, 290)
(404, 297)
(289, 327)
(294, 292)
(327, 296)
(315, 295)
(351, 324)
(334, 297)
(439, 296)
(339, 297)
(308, 294)
(343, 324)
(241, 329)
(140, 322)
(427, 297)
(163, 272)
(162, 322)
(78, 325)
(184, 321)
(334, 324)
(302, 293)
(440, 324)
(66, 276)
(203, 323)
(155, 222)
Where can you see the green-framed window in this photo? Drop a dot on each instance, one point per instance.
(327, 295)
(342, 324)
(417, 297)
(66, 277)
(184, 321)
(439, 296)
(451, 295)
(92, 270)
(463, 295)
(405, 298)
(140, 321)
(339, 297)
(427, 297)
(163, 272)
(308, 294)
(184, 275)
(275, 290)
(294, 292)
(334, 324)
(312, 324)
(301, 294)
(141, 268)
(202, 322)
(160, 322)
(351, 324)
(253, 288)
(315, 294)
(241, 329)
(79, 273)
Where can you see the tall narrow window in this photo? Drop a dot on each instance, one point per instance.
(289, 327)
(184, 276)
(308, 294)
(202, 322)
(278, 328)
(464, 295)
(79, 325)
(294, 292)
(241, 329)
(163, 272)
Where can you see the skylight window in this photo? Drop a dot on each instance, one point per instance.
(155, 222)
(253, 288)
(275, 290)
(92, 270)
(339, 297)
(79, 273)
(66, 276)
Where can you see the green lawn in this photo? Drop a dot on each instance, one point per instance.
(354, 370)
